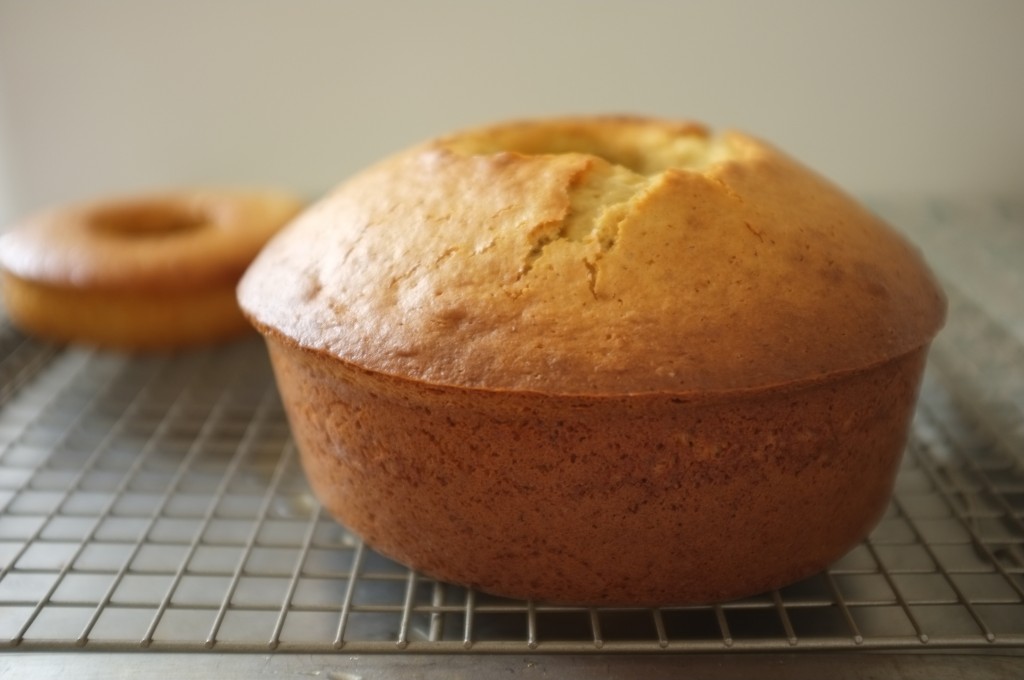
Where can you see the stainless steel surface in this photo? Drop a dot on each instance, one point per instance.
(758, 666)
(156, 504)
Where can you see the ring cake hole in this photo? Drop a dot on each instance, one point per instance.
(645, 148)
(148, 220)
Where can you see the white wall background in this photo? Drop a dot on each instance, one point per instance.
(112, 96)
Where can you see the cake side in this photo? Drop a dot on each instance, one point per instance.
(626, 500)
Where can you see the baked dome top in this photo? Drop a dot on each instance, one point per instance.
(595, 256)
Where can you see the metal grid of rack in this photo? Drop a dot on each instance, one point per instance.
(157, 503)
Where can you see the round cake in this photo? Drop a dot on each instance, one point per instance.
(144, 272)
(598, 360)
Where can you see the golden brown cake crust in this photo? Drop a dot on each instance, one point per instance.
(602, 361)
(516, 257)
(153, 272)
(627, 500)
(170, 241)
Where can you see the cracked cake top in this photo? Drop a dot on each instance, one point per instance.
(595, 256)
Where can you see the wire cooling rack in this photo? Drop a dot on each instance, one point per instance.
(158, 503)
